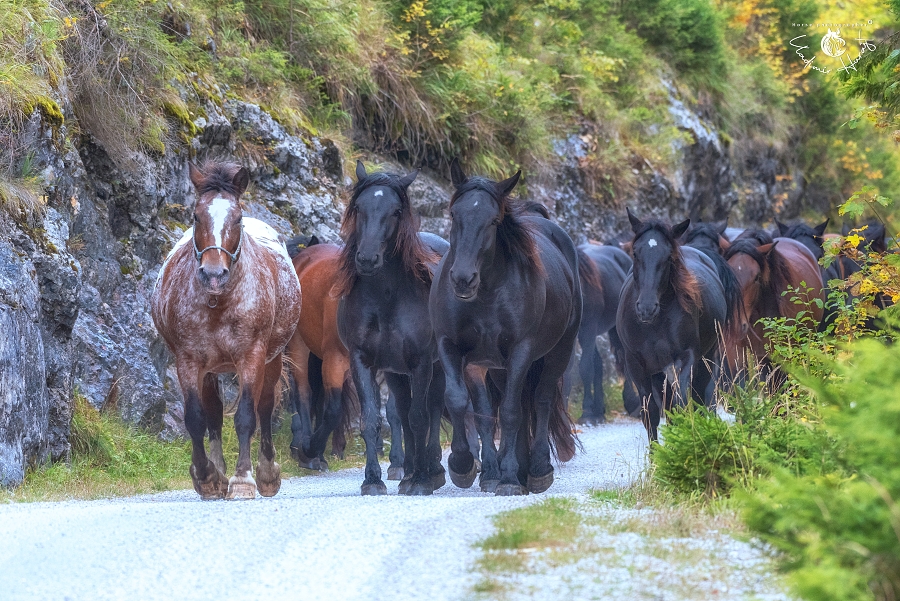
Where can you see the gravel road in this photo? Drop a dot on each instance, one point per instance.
(318, 538)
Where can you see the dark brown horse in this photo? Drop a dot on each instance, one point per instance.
(317, 335)
(767, 273)
(671, 311)
(507, 297)
(227, 300)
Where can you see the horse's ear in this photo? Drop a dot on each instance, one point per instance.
(313, 240)
(196, 174)
(506, 186)
(636, 223)
(457, 175)
(721, 226)
(241, 180)
(409, 178)
(627, 246)
(766, 248)
(680, 229)
(820, 229)
(724, 244)
(782, 228)
(360, 171)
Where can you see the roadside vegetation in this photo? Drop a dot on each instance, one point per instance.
(425, 80)
(110, 458)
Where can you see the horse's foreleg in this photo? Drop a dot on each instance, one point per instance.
(208, 481)
(367, 389)
(476, 383)
(511, 420)
(456, 398)
(252, 372)
(435, 404)
(213, 409)
(399, 391)
(599, 395)
(268, 472)
(297, 355)
(419, 423)
(683, 368)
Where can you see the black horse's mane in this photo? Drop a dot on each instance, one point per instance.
(761, 236)
(414, 254)
(701, 230)
(515, 236)
(686, 286)
(775, 273)
(218, 176)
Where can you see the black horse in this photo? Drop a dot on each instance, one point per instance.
(602, 271)
(709, 238)
(670, 312)
(810, 237)
(383, 321)
(506, 297)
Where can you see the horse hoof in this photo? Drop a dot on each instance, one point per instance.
(321, 464)
(405, 483)
(420, 489)
(373, 489)
(464, 480)
(438, 480)
(489, 485)
(538, 484)
(305, 462)
(214, 487)
(586, 420)
(268, 479)
(510, 490)
(395, 473)
(241, 488)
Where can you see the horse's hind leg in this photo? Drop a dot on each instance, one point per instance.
(213, 408)
(586, 371)
(252, 377)
(395, 471)
(599, 396)
(298, 357)
(333, 369)
(268, 472)
(208, 481)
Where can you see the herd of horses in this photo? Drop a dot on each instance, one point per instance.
(480, 329)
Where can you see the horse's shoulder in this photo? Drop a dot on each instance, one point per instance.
(555, 235)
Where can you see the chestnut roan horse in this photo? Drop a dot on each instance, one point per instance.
(227, 300)
(507, 297)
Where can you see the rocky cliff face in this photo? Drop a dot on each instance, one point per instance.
(75, 282)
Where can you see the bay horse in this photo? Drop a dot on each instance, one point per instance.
(602, 271)
(506, 297)
(317, 335)
(383, 321)
(671, 310)
(226, 300)
(767, 273)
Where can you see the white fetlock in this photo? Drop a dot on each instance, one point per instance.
(241, 487)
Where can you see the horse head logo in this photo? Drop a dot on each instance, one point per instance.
(833, 44)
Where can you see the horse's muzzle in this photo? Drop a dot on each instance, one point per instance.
(645, 313)
(213, 279)
(465, 288)
(368, 266)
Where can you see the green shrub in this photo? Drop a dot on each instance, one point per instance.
(840, 531)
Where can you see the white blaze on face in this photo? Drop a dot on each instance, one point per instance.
(218, 211)
(651, 242)
(379, 193)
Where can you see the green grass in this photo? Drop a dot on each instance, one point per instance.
(553, 522)
(110, 458)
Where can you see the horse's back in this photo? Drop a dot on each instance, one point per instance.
(801, 260)
(435, 243)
